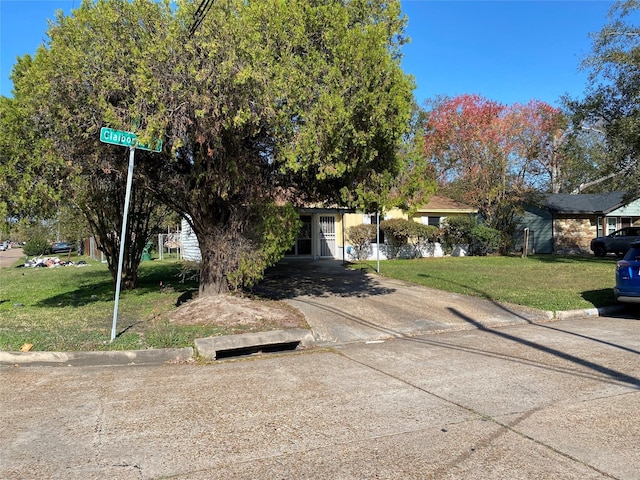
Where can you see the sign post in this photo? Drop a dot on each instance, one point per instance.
(125, 139)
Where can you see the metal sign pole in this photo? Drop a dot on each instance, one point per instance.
(122, 240)
(378, 237)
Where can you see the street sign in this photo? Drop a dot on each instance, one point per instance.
(126, 139)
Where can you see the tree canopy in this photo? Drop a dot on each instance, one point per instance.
(265, 102)
(492, 156)
(611, 107)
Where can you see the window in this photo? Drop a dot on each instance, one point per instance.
(431, 221)
(372, 219)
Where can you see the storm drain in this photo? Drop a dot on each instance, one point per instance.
(256, 350)
(253, 343)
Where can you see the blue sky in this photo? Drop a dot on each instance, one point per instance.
(506, 51)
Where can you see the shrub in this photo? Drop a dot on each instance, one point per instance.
(36, 246)
(274, 234)
(396, 232)
(361, 237)
(484, 240)
(422, 236)
(457, 230)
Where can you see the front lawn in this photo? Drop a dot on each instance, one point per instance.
(547, 282)
(70, 308)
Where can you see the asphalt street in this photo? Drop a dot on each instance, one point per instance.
(557, 400)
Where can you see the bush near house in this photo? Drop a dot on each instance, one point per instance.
(400, 233)
(361, 237)
(484, 240)
(465, 230)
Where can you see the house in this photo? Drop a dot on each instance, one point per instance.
(566, 223)
(433, 213)
(321, 235)
(323, 231)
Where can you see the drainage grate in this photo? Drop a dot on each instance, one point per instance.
(256, 350)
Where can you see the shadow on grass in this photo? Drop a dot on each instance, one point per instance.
(98, 286)
(600, 298)
(556, 259)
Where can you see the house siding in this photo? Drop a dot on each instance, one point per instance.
(190, 245)
(539, 223)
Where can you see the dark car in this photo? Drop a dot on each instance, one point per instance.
(617, 242)
(627, 289)
(62, 247)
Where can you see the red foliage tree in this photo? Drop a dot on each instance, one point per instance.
(490, 155)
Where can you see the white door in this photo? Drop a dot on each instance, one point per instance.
(327, 233)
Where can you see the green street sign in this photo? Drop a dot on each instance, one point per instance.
(126, 139)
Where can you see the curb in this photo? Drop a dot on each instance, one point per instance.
(211, 347)
(588, 312)
(106, 359)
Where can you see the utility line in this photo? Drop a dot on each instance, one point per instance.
(201, 12)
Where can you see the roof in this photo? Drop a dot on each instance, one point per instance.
(438, 203)
(600, 203)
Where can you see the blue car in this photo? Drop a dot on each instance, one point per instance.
(627, 289)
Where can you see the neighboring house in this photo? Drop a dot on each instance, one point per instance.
(566, 223)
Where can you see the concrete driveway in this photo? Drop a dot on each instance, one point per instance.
(343, 305)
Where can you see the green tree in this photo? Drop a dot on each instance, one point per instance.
(61, 99)
(610, 106)
(30, 172)
(300, 101)
(264, 103)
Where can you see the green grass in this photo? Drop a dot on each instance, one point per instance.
(547, 282)
(71, 309)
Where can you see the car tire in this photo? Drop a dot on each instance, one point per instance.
(599, 250)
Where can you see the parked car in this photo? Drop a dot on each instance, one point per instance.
(617, 242)
(627, 289)
(62, 247)
(4, 246)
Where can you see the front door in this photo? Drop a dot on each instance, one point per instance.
(327, 233)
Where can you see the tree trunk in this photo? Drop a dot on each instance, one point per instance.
(217, 259)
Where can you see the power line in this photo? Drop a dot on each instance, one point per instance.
(198, 16)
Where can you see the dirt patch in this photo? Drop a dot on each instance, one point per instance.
(227, 310)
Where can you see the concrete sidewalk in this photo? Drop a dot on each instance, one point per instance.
(548, 401)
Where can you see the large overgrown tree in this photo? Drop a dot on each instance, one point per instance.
(257, 103)
(611, 105)
(302, 101)
(30, 172)
(493, 156)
